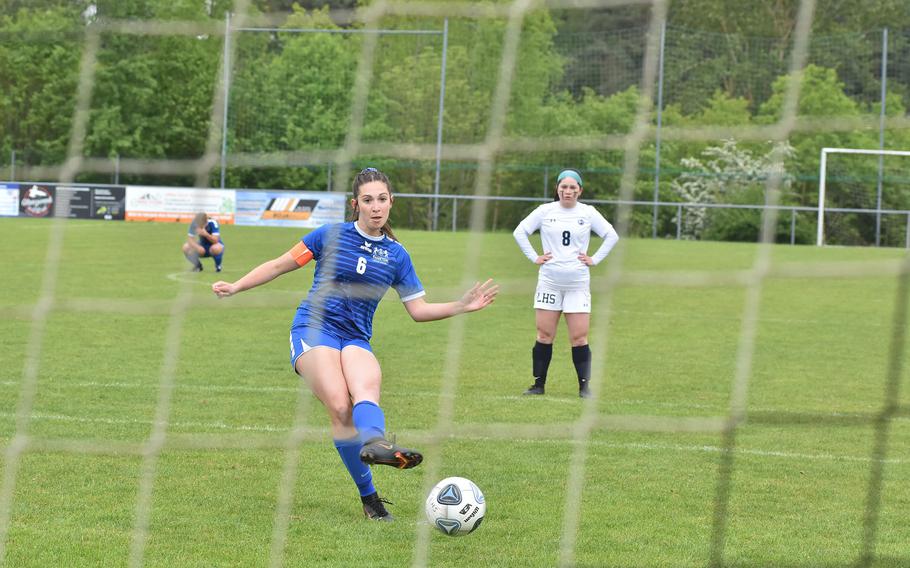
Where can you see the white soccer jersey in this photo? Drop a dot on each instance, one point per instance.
(565, 233)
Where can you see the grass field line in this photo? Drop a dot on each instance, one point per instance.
(135, 421)
(279, 300)
(719, 450)
(183, 440)
(276, 389)
(189, 277)
(569, 399)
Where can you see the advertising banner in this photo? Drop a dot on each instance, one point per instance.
(9, 199)
(90, 202)
(109, 203)
(289, 209)
(73, 202)
(36, 200)
(178, 204)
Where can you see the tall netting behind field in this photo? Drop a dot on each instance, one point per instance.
(293, 88)
(570, 80)
(605, 62)
(17, 48)
(688, 360)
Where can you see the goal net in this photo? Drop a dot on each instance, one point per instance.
(749, 403)
(850, 214)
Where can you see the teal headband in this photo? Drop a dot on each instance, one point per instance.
(569, 174)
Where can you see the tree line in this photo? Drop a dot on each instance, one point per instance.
(578, 74)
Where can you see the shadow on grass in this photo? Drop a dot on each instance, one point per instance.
(881, 562)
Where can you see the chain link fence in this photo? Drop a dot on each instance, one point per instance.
(291, 92)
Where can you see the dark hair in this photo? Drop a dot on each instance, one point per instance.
(365, 176)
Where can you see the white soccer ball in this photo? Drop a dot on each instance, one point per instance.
(455, 506)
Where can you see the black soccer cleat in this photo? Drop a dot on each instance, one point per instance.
(583, 390)
(383, 452)
(374, 508)
(534, 389)
(197, 268)
(218, 268)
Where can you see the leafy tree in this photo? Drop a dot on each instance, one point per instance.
(270, 6)
(152, 96)
(821, 94)
(603, 48)
(291, 92)
(777, 18)
(72, 7)
(724, 110)
(39, 56)
(576, 75)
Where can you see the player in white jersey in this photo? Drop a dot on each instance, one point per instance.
(564, 279)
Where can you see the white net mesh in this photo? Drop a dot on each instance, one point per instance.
(316, 146)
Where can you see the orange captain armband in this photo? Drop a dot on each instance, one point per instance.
(301, 254)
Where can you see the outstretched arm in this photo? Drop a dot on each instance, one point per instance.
(265, 272)
(477, 298)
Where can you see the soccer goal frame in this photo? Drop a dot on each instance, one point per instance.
(822, 172)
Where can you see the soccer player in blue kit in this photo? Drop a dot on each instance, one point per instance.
(203, 239)
(356, 263)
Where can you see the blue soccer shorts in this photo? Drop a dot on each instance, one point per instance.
(207, 245)
(304, 338)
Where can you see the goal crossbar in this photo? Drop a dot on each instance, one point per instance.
(822, 171)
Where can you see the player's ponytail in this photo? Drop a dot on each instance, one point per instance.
(367, 175)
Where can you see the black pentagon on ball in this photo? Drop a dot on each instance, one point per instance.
(476, 524)
(450, 495)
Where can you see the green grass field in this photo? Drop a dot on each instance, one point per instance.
(803, 465)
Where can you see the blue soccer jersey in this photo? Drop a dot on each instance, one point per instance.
(213, 229)
(353, 272)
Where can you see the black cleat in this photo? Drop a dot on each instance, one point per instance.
(534, 389)
(583, 390)
(218, 268)
(197, 268)
(374, 508)
(383, 452)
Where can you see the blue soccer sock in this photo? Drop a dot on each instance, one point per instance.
(349, 450)
(369, 420)
(217, 258)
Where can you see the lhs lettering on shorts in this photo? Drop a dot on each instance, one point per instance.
(546, 298)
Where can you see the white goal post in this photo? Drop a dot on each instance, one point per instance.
(822, 169)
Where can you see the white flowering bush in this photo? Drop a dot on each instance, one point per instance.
(727, 174)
